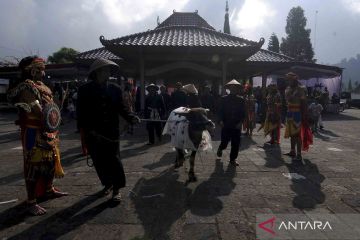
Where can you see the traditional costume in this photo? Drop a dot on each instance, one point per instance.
(273, 115)
(250, 119)
(296, 117)
(39, 120)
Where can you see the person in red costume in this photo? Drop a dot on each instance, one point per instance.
(39, 120)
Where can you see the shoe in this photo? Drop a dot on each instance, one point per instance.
(106, 190)
(290, 154)
(219, 153)
(234, 163)
(116, 197)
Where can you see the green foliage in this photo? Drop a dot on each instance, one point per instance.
(274, 43)
(297, 43)
(64, 55)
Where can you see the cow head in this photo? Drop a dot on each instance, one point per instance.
(198, 120)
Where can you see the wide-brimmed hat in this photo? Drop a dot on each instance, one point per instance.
(152, 86)
(100, 63)
(291, 76)
(233, 83)
(190, 88)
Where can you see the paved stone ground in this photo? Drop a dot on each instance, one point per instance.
(221, 205)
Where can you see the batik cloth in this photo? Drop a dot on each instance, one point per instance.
(177, 126)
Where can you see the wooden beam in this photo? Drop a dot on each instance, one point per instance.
(183, 65)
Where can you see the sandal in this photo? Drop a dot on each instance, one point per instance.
(55, 193)
(106, 190)
(36, 210)
(116, 197)
(234, 163)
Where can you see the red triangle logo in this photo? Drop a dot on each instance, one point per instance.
(271, 221)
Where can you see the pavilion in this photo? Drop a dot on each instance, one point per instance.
(184, 47)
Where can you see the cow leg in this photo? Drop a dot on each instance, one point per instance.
(180, 157)
(192, 177)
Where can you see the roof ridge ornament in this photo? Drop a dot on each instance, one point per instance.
(174, 11)
(196, 11)
(102, 39)
(261, 42)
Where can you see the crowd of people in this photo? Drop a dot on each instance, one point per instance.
(98, 104)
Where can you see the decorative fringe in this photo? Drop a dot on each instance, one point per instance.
(59, 172)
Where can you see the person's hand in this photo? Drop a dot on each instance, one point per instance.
(135, 120)
(221, 123)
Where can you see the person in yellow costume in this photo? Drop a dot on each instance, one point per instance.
(273, 115)
(297, 127)
(39, 120)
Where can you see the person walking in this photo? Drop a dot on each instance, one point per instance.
(99, 105)
(231, 116)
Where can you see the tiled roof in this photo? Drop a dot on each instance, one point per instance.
(176, 36)
(185, 19)
(268, 56)
(97, 53)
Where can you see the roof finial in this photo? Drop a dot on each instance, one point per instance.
(158, 20)
(226, 22)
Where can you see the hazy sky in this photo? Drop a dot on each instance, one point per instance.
(43, 26)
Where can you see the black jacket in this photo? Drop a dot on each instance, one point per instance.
(156, 103)
(178, 99)
(193, 101)
(231, 110)
(99, 107)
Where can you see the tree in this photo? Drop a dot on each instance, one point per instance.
(350, 86)
(64, 55)
(297, 43)
(274, 43)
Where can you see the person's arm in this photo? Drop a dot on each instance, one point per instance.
(221, 111)
(123, 111)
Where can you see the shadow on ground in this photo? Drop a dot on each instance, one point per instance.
(160, 201)
(308, 190)
(54, 226)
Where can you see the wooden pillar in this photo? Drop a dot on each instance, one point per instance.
(251, 81)
(224, 72)
(142, 81)
(263, 80)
